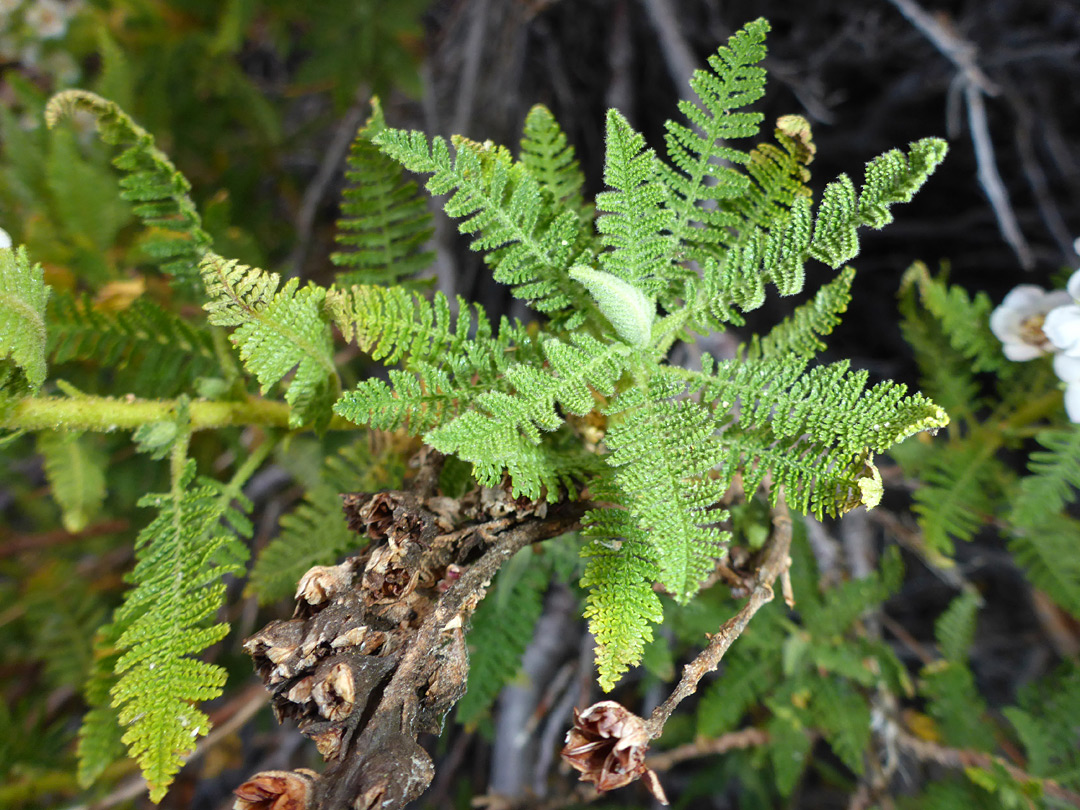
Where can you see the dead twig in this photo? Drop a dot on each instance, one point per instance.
(324, 176)
(59, 537)
(959, 759)
(773, 564)
(975, 86)
(732, 741)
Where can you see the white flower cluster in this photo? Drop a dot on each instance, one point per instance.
(1032, 321)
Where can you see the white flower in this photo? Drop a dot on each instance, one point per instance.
(48, 18)
(5, 239)
(1018, 322)
(1068, 371)
(1074, 285)
(1062, 328)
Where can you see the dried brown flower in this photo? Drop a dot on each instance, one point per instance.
(335, 692)
(608, 744)
(329, 742)
(324, 582)
(276, 790)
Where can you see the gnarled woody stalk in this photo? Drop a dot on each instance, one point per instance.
(608, 743)
(375, 653)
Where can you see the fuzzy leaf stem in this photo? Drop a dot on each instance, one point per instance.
(106, 414)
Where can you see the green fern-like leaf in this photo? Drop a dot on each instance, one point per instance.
(449, 362)
(634, 223)
(846, 603)
(952, 794)
(100, 734)
(777, 253)
(1049, 557)
(955, 628)
(22, 324)
(498, 432)
(315, 533)
(702, 164)
(549, 158)
(1053, 480)
(772, 222)
(945, 374)
(800, 334)
(100, 742)
(75, 469)
(62, 629)
(529, 246)
(385, 222)
(955, 703)
(789, 746)
(415, 401)
(393, 324)
(621, 606)
(1046, 722)
(813, 431)
(168, 617)
(843, 716)
(964, 320)
(154, 352)
(662, 451)
(176, 237)
(744, 681)
(958, 493)
(276, 331)
(891, 178)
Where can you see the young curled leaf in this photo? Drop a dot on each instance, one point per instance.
(628, 309)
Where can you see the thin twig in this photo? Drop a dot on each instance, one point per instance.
(732, 741)
(975, 84)
(678, 55)
(320, 183)
(960, 758)
(990, 180)
(775, 561)
(470, 71)
(59, 537)
(958, 51)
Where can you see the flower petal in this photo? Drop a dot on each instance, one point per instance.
(1020, 352)
(1062, 327)
(1073, 286)
(1072, 402)
(1005, 324)
(1023, 296)
(1067, 368)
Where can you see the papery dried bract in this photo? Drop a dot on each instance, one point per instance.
(608, 744)
(276, 790)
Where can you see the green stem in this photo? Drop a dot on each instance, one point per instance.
(105, 414)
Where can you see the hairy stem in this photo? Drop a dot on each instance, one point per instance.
(106, 414)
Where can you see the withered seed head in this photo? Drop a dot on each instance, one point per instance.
(608, 744)
(353, 637)
(278, 635)
(324, 582)
(276, 790)
(335, 693)
(300, 692)
(328, 742)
